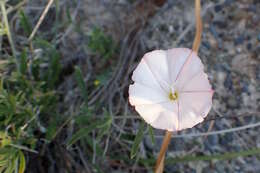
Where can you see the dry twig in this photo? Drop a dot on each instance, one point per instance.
(40, 20)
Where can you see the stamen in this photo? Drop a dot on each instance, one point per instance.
(173, 96)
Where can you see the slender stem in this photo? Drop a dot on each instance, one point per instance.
(24, 148)
(19, 5)
(160, 159)
(196, 42)
(40, 20)
(6, 24)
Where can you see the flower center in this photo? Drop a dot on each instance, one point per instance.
(173, 96)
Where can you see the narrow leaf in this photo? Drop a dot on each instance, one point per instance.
(23, 63)
(81, 83)
(22, 162)
(25, 23)
(138, 140)
(151, 134)
(84, 132)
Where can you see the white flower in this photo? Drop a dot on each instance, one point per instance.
(171, 90)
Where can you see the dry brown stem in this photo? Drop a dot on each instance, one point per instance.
(196, 44)
(160, 160)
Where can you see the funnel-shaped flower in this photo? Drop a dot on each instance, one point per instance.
(171, 90)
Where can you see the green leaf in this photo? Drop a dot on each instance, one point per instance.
(103, 131)
(99, 150)
(101, 43)
(97, 168)
(22, 162)
(151, 134)
(81, 83)
(84, 132)
(2, 84)
(54, 68)
(25, 23)
(23, 63)
(138, 140)
(51, 130)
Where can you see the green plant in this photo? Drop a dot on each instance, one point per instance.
(87, 123)
(26, 96)
(102, 44)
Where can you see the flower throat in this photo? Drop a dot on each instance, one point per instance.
(173, 96)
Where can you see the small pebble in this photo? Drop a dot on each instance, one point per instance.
(213, 31)
(257, 73)
(176, 145)
(228, 83)
(239, 40)
(245, 87)
(232, 103)
(211, 142)
(249, 46)
(148, 143)
(228, 2)
(206, 44)
(218, 8)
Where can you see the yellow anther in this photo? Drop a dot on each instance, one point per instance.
(173, 96)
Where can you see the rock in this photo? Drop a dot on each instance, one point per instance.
(220, 168)
(232, 103)
(213, 31)
(148, 143)
(228, 2)
(172, 168)
(220, 23)
(229, 137)
(239, 40)
(176, 145)
(206, 44)
(257, 73)
(244, 64)
(246, 99)
(218, 8)
(228, 83)
(249, 46)
(211, 142)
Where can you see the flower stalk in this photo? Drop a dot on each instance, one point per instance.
(196, 42)
(159, 167)
(160, 160)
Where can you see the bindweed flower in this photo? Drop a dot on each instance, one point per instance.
(171, 91)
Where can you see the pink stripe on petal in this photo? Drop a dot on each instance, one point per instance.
(187, 59)
(197, 91)
(178, 116)
(163, 87)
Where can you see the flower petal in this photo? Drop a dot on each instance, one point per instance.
(143, 75)
(176, 58)
(158, 64)
(190, 69)
(162, 116)
(194, 107)
(198, 83)
(140, 94)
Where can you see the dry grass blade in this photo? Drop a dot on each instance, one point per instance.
(40, 20)
(235, 129)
